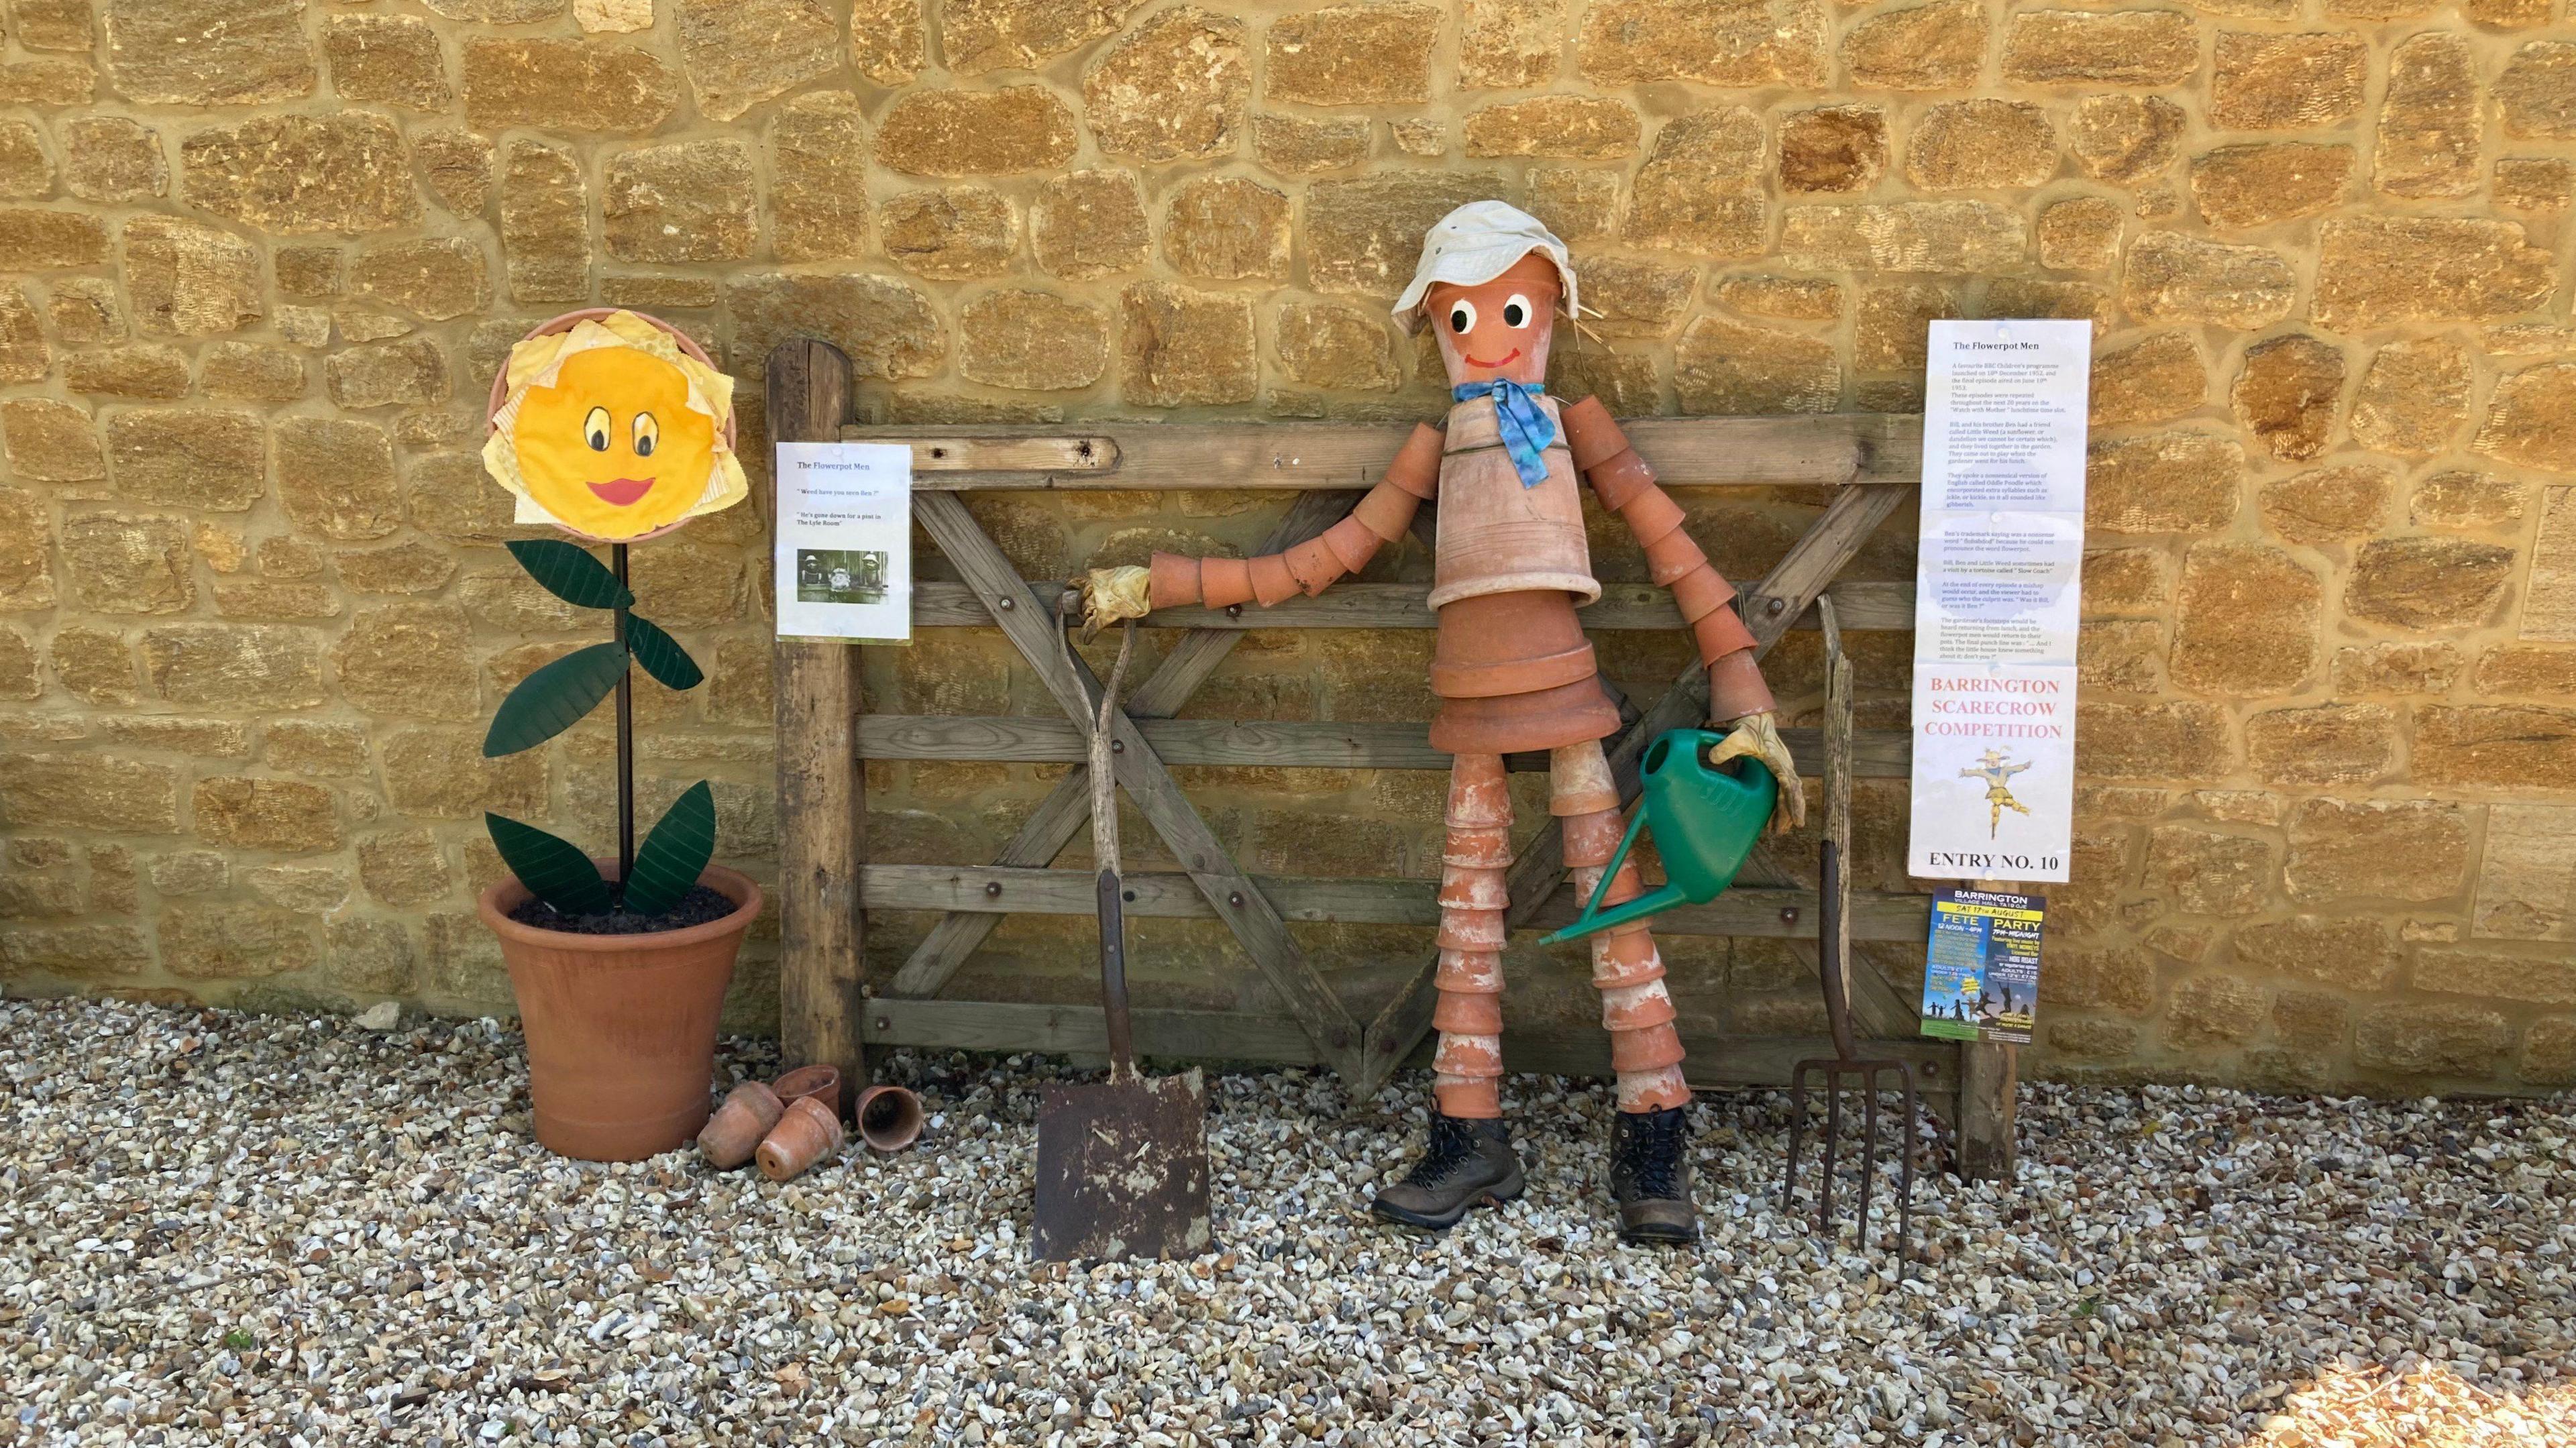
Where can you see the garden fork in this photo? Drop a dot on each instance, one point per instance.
(1846, 1071)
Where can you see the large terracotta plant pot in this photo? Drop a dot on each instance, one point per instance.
(621, 1028)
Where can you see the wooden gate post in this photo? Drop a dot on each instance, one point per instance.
(820, 801)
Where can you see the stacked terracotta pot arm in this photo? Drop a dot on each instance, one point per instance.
(1627, 487)
(1316, 564)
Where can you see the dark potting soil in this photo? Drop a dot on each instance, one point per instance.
(699, 906)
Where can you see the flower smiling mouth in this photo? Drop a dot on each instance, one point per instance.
(1473, 360)
(622, 492)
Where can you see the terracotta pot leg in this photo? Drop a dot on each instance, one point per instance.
(1469, 1016)
(1637, 1011)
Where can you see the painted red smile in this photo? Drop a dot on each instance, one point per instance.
(1472, 360)
(622, 492)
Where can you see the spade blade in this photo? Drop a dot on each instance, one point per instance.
(1122, 1170)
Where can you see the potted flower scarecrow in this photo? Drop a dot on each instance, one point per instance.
(613, 427)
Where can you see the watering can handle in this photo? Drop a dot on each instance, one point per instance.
(1619, 856)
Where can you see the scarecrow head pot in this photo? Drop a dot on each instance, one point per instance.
(1489, 286)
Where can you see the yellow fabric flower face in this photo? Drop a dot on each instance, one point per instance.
(611, 432)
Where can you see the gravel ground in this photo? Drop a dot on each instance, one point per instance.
(227, 1227)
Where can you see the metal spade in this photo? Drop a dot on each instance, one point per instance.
(1122, 1166)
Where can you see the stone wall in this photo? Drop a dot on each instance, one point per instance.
(261, 257)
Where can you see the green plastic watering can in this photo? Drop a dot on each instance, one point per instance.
(1706, 821)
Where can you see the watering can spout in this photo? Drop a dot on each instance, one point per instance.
(1706, 819)
(1662, 897)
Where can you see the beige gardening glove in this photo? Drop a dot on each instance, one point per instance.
(1757, 736)
(1112, 594)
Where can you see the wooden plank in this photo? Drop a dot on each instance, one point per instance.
(1789, 590)
(821, 800)
(1255, 923)
(1717, 1062)
(953, 452)
(1060, 815)
(1018, 890)
(1623, 607)
(1287, 744)
(1809, 450)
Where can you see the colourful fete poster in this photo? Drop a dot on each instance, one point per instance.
(1981, 968)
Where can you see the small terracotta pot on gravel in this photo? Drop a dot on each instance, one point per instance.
(734, 1132)
(823, 1083)
(803, 1136)
(889, 1118)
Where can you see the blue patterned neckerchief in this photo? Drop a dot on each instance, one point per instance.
(1526, 428)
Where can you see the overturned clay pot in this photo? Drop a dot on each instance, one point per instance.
(803, 1136)
(823, 1083)
(734, 1132)
(889, 1118)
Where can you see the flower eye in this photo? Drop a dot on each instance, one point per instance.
(1516, 311)
(594, 429)
(1462, 317)
(647, 433)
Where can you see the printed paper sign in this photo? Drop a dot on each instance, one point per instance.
(1998, 599)
(1981, 971)
(844, 562)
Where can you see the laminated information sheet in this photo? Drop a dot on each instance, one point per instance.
(844, 564)
(1998, 597)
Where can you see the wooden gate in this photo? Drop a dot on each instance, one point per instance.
(1867, 462)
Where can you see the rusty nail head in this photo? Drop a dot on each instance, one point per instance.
(1235, 899)
(1775, 605)
(1234, 610)
(993, 888)
(1788, 914)
(1117, 746)
(1008, 605)
(883, 1024)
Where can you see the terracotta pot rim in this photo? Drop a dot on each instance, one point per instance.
(496, 902)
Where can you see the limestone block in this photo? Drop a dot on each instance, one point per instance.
(2246, 621)
(2285, 394)
(2414, 397)
(2262, 81)
(2378, 849)
(1352, 55)
(2427, 583)
(1172, 88)
(1833, 149)
(2328, 505)
(1031, 339)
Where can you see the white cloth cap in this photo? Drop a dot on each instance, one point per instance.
(1477, 243)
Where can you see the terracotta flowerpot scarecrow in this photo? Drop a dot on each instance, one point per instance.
(1515, 673)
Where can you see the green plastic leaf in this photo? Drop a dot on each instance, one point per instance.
(661, 654)
(553, 699)
(675, 853)
(570, 573)
(553, 868)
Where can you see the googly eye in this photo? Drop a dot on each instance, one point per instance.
(1516, 311)
(647, 433)
(1462, 317)
(594, 429)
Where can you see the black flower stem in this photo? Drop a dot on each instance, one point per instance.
(625, 737)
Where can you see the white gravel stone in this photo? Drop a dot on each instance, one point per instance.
(219, 1227)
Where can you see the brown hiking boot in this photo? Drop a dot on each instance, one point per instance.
(1465, 1163)
(1650, 1177)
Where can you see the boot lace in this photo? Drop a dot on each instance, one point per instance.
(1650, 1153)
(1452, 1145)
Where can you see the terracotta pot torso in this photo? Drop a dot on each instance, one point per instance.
(1512, 668)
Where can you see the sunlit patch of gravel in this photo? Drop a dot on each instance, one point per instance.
(217, 1227)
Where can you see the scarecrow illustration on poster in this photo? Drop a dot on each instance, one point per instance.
(1515, 673)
